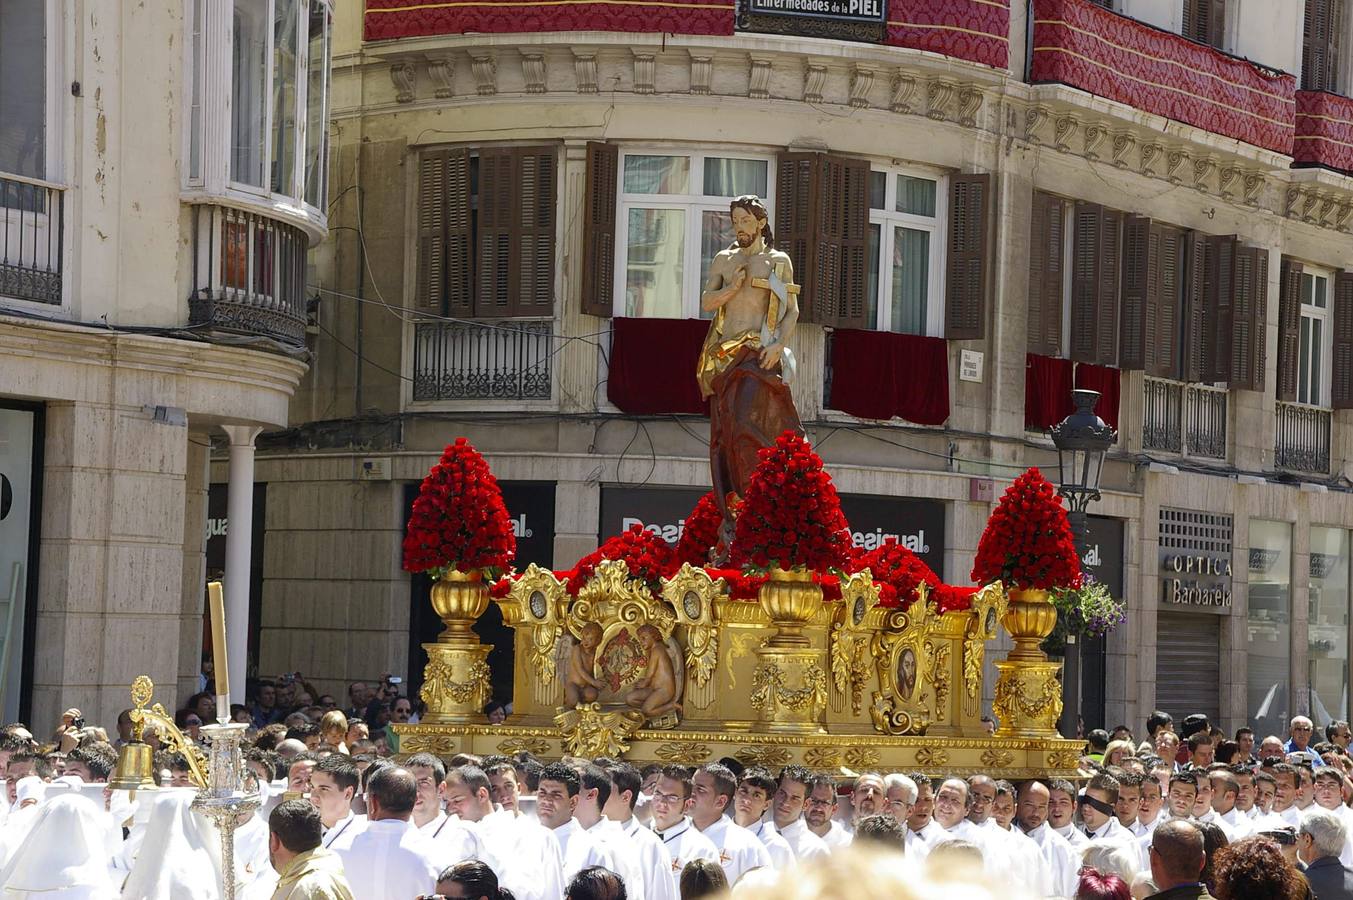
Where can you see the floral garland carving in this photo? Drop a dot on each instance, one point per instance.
(768, 690)
(439, 685)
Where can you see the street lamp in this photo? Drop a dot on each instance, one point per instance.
(1082, 439)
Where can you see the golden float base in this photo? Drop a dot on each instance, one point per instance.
(1013, 758)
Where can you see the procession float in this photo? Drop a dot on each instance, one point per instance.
(762, 635)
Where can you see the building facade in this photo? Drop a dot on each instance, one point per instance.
(987, 203)
(162, 175)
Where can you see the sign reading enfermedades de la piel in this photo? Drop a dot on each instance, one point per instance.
(852, 20)
(1195, 560)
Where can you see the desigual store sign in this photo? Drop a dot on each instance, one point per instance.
(917, 525)
(1195, 560)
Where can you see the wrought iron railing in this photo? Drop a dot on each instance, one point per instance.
(248, 274)
(1188, 419)
(1302, 439)
(32, 239)
(503, 360)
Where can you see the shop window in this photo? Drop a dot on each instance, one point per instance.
(1327, 628)
(906, 263)
(1322, 39)
(1269, 628)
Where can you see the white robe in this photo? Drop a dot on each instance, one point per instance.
(390, 860)
(180, 855)
(685, 842)
(803, 842)
(918, 843)
(580, 850)
(739, 850)
(1073, 836)
(1025, 856)
(65, 855)
(781, 854)
(528, 852)
(1113, 830)
(612, 836)
(345, 830)
(654, 860)
(453, 841)
(1062, 860)
(1236, 824)
(836, 836)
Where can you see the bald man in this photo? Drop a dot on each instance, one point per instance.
(1177, 860)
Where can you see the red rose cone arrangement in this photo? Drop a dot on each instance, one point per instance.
(1027, 542)
(459, 521)
(648, 557)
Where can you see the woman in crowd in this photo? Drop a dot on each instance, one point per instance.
(1254, 868)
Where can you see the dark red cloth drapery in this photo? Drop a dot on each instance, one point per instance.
(1047, 391)
(882, 375)
(652, 369)
(387, 19)
(1108, 381)
(977, 30)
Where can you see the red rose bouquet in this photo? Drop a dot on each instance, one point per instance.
(459, 520)
(791, 516)
(896, 570)
(1027, 542)
(648, 557)
(700, 533)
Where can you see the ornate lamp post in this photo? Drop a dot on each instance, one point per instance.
(1082, 439)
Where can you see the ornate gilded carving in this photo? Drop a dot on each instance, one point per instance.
(684, 752)
(769, 690)
(590, 731)
(1028, 698)
(862, 757)
(932, 756)
(440, 689)
(939, 667)
(1064, 759)
(763, 755)
(988, 606)
(436, 744)
(822, 757)
(692, 594)
(907, 698)
(997, 759)
(850, 638)
(536, 606)
(538, 746)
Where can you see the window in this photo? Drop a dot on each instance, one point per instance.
(673, 221)
(1269, 625)
(278, 83)
(23, 88)
(1205, 21)
(906, 264)
(1075, 277)
(1327, 624)
(1314, 353)
(1321, 44)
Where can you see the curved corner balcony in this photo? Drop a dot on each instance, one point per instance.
(1324, 131)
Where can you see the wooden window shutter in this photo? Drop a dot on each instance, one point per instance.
(969, 270)
(841, 242)
(1197, 343)
(1137, 279)
(499, 199)
(796, 214)
(1341, 360)
(1205, 21)
(532, 279)
(1106, 312)
(1219, 278)
(1046, 279)
(1322, 33)
(1094, 284)
(599, 212)
(1169, 271)
(445, 264)
(1249, 315)
(1289, 329)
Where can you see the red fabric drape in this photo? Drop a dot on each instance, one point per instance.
(976, 30)
(652, 369)
(387, 19)
(882, 375)
(1047, 391)
(1108, 381)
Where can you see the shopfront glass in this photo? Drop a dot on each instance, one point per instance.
(1270, 625)
(1327, 633)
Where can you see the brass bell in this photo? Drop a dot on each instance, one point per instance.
(135, 765)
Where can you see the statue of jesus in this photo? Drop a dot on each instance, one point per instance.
(745, 364)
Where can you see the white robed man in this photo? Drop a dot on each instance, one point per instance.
(1150, 808)
(1099, 816)
(333, 785)
(671, 799)
(751, 802)
(1062, 813)
(522, 853)
(1225, 793)
(455, 842)
(594, 790)
(1329, 797)
(1062, 860)
(921, 823)
(179, 857)
(1026, 857)
(305, 870)
(953, 800)
(66, 855)
(1179, 803)
(899, 799)
(556, 801)
(868, 797)
(819, 813)
(712, 790)
(791, 792)
(391, 860)
(654, 861)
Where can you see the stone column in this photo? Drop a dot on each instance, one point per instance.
(240, 514)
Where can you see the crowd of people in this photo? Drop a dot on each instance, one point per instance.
(1188, 812)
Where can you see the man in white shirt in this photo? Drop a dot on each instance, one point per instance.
(1026, 857)
(671, 798)
(655, 862)
(819, 812)
(787, 813)
(713, 787)
(752, 801)
(1098, 813)
(899, 799)
(593, 791)
(869, 797)
(1285, 802)
(1129, 801)
(1225, 791)
(1245, 798)
(952, 802)
(1151, 808)
(1329, 796)
(532, 863)
(390, 860)
(1063, 862)
(455, 843)
(556, 800)
(333, 784)
(1062, 812)
(1180, 801)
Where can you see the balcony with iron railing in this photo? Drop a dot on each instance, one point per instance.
(1324, 131)
(32, 239)
(507, 359)
(1187, 419)
(1301, 442)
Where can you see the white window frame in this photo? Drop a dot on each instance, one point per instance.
(213, 71)
(888, 219)
(693, 204)
(1323, 315)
